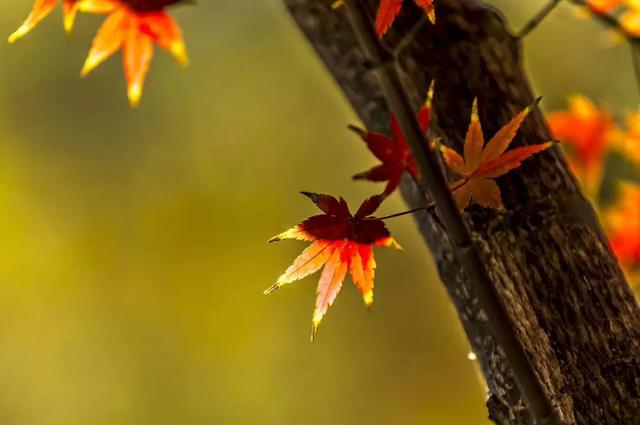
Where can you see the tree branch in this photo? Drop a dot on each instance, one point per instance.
(431, 177)
(549, 261)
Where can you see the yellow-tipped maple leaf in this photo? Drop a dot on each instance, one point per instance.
(341, 242)
(135, 30)
(481, 163)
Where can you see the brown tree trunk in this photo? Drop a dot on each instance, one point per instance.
(573, 311)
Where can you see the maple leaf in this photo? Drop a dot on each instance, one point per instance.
(588, 131)
(135, 30)
(341, 242)
(388, 10)
(393, 151)
(623, 227)
(481, 164)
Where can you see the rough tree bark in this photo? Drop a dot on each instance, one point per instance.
(573, 311)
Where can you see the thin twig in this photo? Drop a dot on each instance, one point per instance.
(415, 210)
(468, 255)
(409, 36)
(538, 18)
(428, 206)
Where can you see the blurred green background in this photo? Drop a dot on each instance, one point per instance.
(134, 247)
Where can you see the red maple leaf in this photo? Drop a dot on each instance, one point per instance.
(393, 151)
(341, 242)
(388, 10)
(394, 154)
(481, 164)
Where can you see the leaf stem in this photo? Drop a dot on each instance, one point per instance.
(427, 207)
(385, 68)
(415, 210)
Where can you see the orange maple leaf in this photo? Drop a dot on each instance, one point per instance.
(341, 242)
(481, 164)
(587, 131)
(388, 11)
(623, 227)
(135, 30)
(393, 151)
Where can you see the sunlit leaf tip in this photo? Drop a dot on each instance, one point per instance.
(430, 92)
(424, 115)
(41, 9)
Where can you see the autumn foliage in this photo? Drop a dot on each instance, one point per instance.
(626, 11)
(623, 225)
(590, 135)
(587, 132)
(388, 10)
(131, 25)
(481, 164)
(341, 242)
(393, 151)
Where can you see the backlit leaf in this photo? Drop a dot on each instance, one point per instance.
(482, 163)
(388, 10)
(341, 243)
